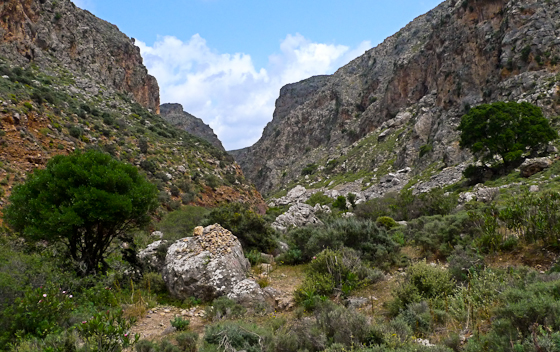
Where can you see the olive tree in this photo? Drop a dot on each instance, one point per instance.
(84, 200)
(507, 130)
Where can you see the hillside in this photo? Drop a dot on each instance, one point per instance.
(72, 81)
(398, 105)
(175, 115)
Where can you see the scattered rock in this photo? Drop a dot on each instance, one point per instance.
(157, 234)
(198, 231)
(149, 259)
(532, 166)
(298, 215)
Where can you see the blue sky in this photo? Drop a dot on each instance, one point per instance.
(226, 60)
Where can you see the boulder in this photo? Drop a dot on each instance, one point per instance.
(148, 257)
(298, 215)
(206, 266)
(532, 166)
(249, 294)
(157, 234)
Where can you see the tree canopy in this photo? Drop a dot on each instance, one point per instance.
(508, 130)
(84, 200)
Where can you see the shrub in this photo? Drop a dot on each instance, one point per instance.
(222, 308)
(319, 198)
(187, 341)
(180, 324)
(386, 222)
(341, 325)
(373, 242)
(337, 272)
(108, 331)
(340, 203)
(309, 169)
(237, 336)
(250, 228)
(438, 234)
(181, 223)
(422, 282)
(40, 312)
(75, 131)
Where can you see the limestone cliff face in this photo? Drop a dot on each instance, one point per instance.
(174, 114)
(58, 35)
(399, 104)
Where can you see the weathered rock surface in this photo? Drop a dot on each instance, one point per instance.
(206, 266)
(399, 104)
(149, 258)
(297, 216)
(532, 166)
(174, 114)
(55, 34)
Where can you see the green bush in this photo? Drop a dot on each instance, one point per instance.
(108, 331)
(438, 235)
(340, 203)
(40, 312)
(181, 223)
(423, 282)
(335, 272)
(180, 324)
(386, 222)
(250, 228)
(309, 169)
(373, 242)
(319, 198)
(406, 206)
(187, 341)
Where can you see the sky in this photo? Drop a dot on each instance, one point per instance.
(225, 61)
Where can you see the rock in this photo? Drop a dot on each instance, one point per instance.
(298, 215)
(148, 257)
(534, 188)
(466, 197)
(157, 234)
(206, 266)
(551, 149)
(532, 166)
(348, 215)
(485, 194)
(198, 231)
(169, 330)
(282, 248)
(322, 208)
(265, 268)
(249, 294)
(296, 192)
(356, 302)
(267, 258)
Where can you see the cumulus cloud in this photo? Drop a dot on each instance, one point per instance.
(227, 91)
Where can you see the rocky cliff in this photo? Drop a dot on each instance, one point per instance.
(69, 80)
(58, 34)
(399, 104)
(174, 114)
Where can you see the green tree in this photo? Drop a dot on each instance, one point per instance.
(504, 129)
(84, 200)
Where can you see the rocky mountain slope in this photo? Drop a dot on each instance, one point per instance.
(174, 114)
(396, 108)
(69, 80)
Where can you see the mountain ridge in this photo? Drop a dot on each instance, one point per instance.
(401, 101)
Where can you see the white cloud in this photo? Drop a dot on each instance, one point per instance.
(227, 91)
